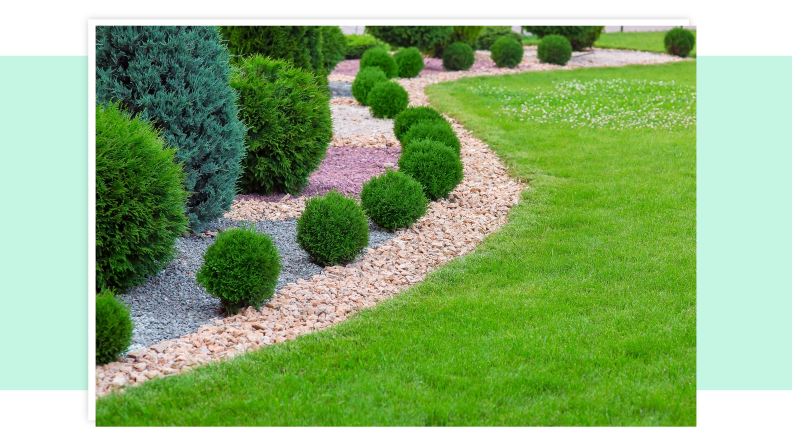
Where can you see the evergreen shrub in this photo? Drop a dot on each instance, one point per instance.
(422, 37)
(289, 124)
(679, 42)
(140, 200)
(490, 34)
(113, 328)
(178, 78)
(241, 268)
(412, 115)
(579, 37)
(333, 229)
(333, 46)
(434, 130)
(387, 99)
(437, 168)
(393, 200)
(365, 80)
(554, 49)
(458, 56)
(357, 44)
(506, 52)
(377, 57)
(410, 62)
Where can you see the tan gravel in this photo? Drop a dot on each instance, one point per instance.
(451, 228)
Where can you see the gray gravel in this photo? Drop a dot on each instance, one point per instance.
(340, 89)
(171, 304)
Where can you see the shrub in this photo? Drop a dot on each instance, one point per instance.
(422, 37)
(387, 99)
(357, 44)
(365, 80)
(579, 37)
(412, 115)
(333, 46)
(332, 229)
(178, 77)
(140, 200)
(679, 42)
(435, 166)
(393, 200)
(300, 45)
(377, 57)
(289, 124)
(506, 52)
(458, 57)
(433, 130)
(490, 34)
(554, 49)
(113, 328)
(241, 268)
(464, 34)
(410, 62)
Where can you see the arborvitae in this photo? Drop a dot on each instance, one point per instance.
(178, 78)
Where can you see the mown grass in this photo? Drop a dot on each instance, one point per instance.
(580, 311)
(651, 41)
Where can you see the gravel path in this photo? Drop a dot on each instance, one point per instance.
(171, 304)
(349, 120)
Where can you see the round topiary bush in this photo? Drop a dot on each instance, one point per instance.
(435, 131)
(357, 44)
(241, 268)
(679, 42)
(378, 57)
(412, 115)
(554, 49)
(387, 99)
(580, 37)
(410, 62)
(289, 126)
(113, 328)
(333, 229)
(458, 56)
(506, 52)
(393, 200)
(365, 80)
(178, 78)
(140, 200)
(490, 34)
(438, 169)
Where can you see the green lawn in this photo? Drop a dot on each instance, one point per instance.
(580, 311)
(651, 41)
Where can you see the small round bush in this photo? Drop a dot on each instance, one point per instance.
(140, 200)
(333, 229)
(438, 169)
(679, 42)
(435, 131)
(490, 34)
(113, 328)
(412, 115)
(393, 200)
(506, 52)
(388, 99)
(365, 80)
(241, 268)
(410, 62)
(458, 56)
(378, 57)
(554, 49)
(289, 124)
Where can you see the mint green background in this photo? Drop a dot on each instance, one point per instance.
(744, 225)
(44, 223)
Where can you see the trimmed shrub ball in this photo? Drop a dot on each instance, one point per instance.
(554, 49)
(579, 37)
(410, 62)
(140, 200)
(490, 34)
(437, 169)
(333, 229)
(289, 124)
(679, 42)
(458, 56)
(377, 57)
(388, 99)
(113, 328)
(412, 115)
(365, 80)
(357, 44)
(435, 131)
(393, 200)
(506, 52)
(241, 268)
